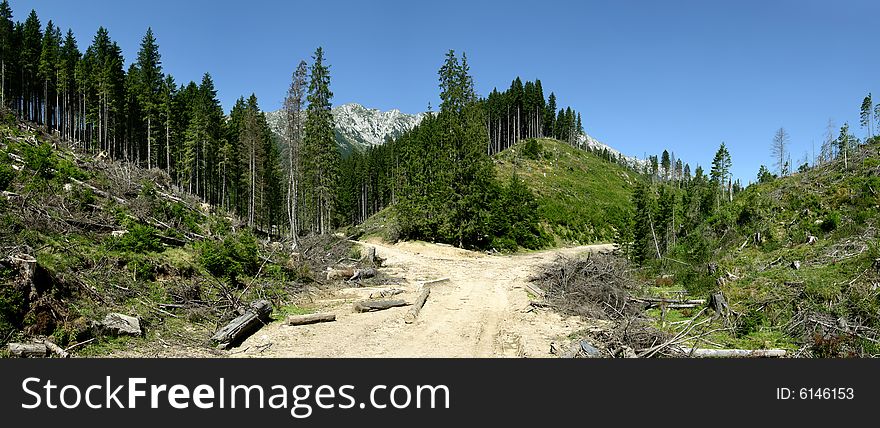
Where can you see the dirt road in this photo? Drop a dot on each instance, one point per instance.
(478, 313)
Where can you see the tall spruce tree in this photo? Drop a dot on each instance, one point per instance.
(149, 92)
(319, 146)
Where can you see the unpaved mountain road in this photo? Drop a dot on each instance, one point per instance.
(478, 313)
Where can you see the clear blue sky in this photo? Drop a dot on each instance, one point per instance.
(646, 75)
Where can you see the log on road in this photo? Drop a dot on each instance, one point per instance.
(413, 312)
(735, 353)
(384, 294)
(310, 319)
(363, 274)
(251, 320)
(378, 305)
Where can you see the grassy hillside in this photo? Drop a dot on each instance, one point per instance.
(582, 198)
(112, 237)
(798, 259)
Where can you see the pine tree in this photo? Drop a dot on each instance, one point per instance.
(845, 143)
(665, 164)
(764, 175)
(6, 46)
(149, 80)
(31, 47)
(865, 117)
(720, 173)
(293, 116)
(550, 116)
(319, 146)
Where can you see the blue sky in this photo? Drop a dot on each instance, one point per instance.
(682, 75)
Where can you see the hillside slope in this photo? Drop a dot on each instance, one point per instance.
(82, 237)
(582, 198)
(798, 259)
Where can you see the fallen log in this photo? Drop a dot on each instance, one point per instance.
(669, 301)
(377, 305)
(535, 291)
(413, 312)
(57, 350)
(310, 319)
(734, 353)
(384, 294)
(435, 281)
(99, 192)
(340, 273)
(363, 274)
(27, 350)
(244, 325)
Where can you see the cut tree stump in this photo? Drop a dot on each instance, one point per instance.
(413, 312)
(719, 304)
(256, 314)
(371, 258)
(28, 350)
(310, 319)
(378, 305)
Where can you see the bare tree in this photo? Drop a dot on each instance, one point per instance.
(826, 152)
(293, 121)
(778, 149)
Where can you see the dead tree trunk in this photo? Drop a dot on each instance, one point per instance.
(310, 319)
(377, 305)
(410, 316)
(244, 325)
(363, 274)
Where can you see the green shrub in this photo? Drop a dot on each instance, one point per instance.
(233, 256)
(830, 222)
(531, 149)
(7, 174)
(139, 239)
(749, 323)
(13, 305)
(48, 166)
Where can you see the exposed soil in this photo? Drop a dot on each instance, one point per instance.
(480, 312)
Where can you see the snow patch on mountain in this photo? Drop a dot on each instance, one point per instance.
(359, 127)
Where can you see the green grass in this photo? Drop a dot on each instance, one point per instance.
(283, 312)
(582, 198)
